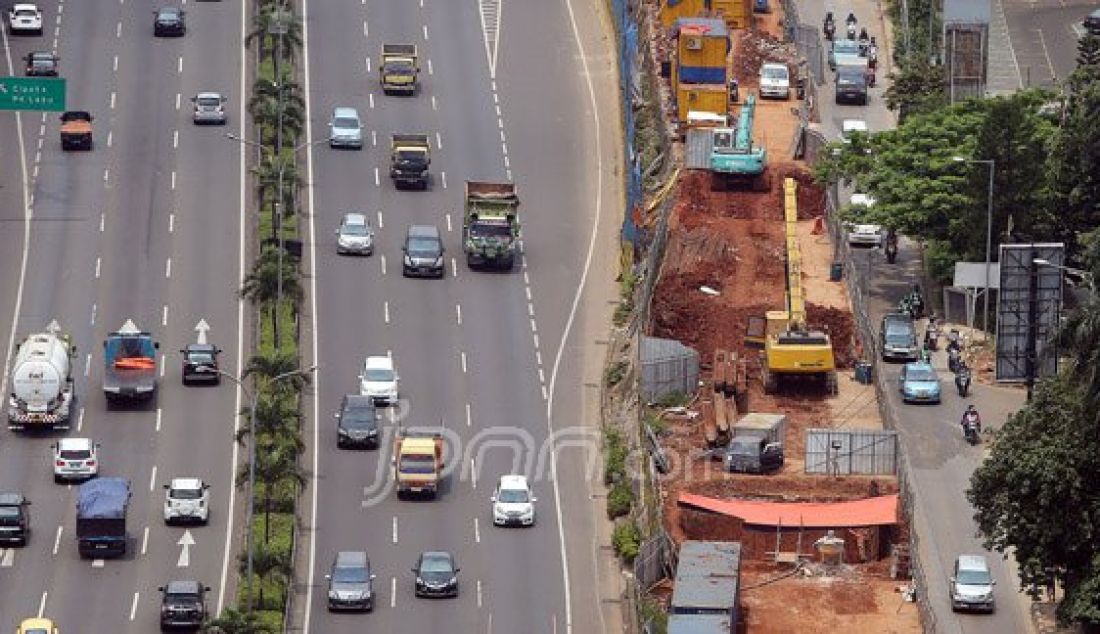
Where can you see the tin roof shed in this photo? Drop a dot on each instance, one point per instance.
(707, 578)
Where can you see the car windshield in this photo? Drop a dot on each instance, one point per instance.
(417, 464)
(359, 417)
(186, 494)
(168, 16)
(399, 66)
(8, 512)
(181, 599)
(410, 155)
(127, 347)
(851, 76)
(350, 575)
(209, 102)
(435, 564)
(345, 123)
(26, 13)
(897, 330)
(774, 73)
(920, 374)
(42, 62)
(36, 630)
(200, 357)
(423, 247)
(354, 230)
(379, 375)
(972, 578)
(512, 496)
(845, 47)
(75, 454)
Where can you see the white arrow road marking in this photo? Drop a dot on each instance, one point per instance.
(185, 542)
(202, 328)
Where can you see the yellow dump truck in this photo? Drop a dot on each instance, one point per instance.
(418, 462)
(399, 69)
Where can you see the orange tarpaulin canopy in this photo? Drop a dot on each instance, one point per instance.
(135, 363)
(876, 511)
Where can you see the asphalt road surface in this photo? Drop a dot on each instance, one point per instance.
(940, 459)
(1044, 37)
(504, 96)
(147, 226)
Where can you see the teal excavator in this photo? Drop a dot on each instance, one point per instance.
(733, 157)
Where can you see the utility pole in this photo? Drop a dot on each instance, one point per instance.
(278, 28)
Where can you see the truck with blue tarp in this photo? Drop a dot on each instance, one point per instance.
(101, 517)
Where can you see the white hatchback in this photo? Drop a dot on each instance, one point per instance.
(186, 500)
(75, 459)
(513, 504)
(378, 380)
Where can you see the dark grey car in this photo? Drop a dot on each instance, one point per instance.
(851, 84)
(436, 574)
(423, 252)
(357, 422)
(169, 22)
(350, 584)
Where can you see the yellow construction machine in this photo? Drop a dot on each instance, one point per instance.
(790, 347)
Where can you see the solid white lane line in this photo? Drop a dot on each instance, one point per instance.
(430, 71)
(168, 267)
(443, 177)
(438, 141)
(458, 314)
(80, 419)
(153, 478)
(145, 541)
(448, 218)
(57, 539)
(164, 315)
(87, 364)
(395, 529)
(386, 310)
(133, 606)
(382, 259)
(98, 262)
(477, 532)
(469, 418)
(393, 592)
(159, 413)
(42, 604)
(463, 362)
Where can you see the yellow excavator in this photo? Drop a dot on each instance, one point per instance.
(790, 347)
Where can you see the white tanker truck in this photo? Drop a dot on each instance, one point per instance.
(42, 381)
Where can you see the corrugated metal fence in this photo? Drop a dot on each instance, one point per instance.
(625, 14)
(838, 452)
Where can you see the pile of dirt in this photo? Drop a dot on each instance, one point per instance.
(841, 328)
(811, 196)
(754, 48)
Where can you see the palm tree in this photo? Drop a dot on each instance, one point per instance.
(276, 464)
(265, 24)
(233, 621)
(270, 365)
(262, 282)
(268, 175)
(267, 564)
(277, 417)
(285, 87)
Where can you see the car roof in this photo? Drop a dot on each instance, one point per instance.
(74, 443)
(42, 54)
(340, 112)
(186, 483)
(200, 347)
(356, 401)
(513, 481)
(36, 624)
(355, 218)
(972, 562)
(208, 95)
(920, 365)
(379, 362)
(24, 5)
(185, 586)
(1095, 14)
(423, 231)
(437, 554)
(351, 559)
(8, 499)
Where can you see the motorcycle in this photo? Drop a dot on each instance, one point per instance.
(954, 359)
(851, 31)
(891, 247)
(962, 379)
(931, 336)
(912, 304)
(829, 27)
(870, 75)
(970, 431)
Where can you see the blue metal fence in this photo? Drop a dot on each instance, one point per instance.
(626, 15)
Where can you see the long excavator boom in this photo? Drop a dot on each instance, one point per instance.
(744, 124)
(796, 301)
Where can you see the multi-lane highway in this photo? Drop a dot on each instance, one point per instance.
(508, 93)
(148, 226)
(1044, 38)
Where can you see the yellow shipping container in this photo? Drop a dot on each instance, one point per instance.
(701, 43)
(736, 13)
(708, 98)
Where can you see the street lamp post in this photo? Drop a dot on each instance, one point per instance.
(253, 397)
(988, 234)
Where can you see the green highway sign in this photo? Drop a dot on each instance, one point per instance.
(32, 93)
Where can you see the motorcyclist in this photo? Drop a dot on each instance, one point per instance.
(891, 246)
(829, 26)
(872, 54)
(971, 416)
(851, 26)
(851, 19)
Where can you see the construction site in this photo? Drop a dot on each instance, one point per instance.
(747, 282)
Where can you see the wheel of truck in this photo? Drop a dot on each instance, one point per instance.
(508, 263)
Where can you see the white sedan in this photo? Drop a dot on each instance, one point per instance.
(25, 18)
(865, 234)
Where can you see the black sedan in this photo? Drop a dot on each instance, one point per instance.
(169, 22)
(436, 574)
(200, 363)
(357, 422)
(41, 64)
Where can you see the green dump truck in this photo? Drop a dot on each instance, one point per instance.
(490, 228)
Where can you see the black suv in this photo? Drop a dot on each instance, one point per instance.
(200, 363)
(357, 422)
(898, 338)
(183, 605)
(15, 519)
(169, 22)
(41, 64)
(423, 252)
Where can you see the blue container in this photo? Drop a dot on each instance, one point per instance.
(702, 75)
(863, 372)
